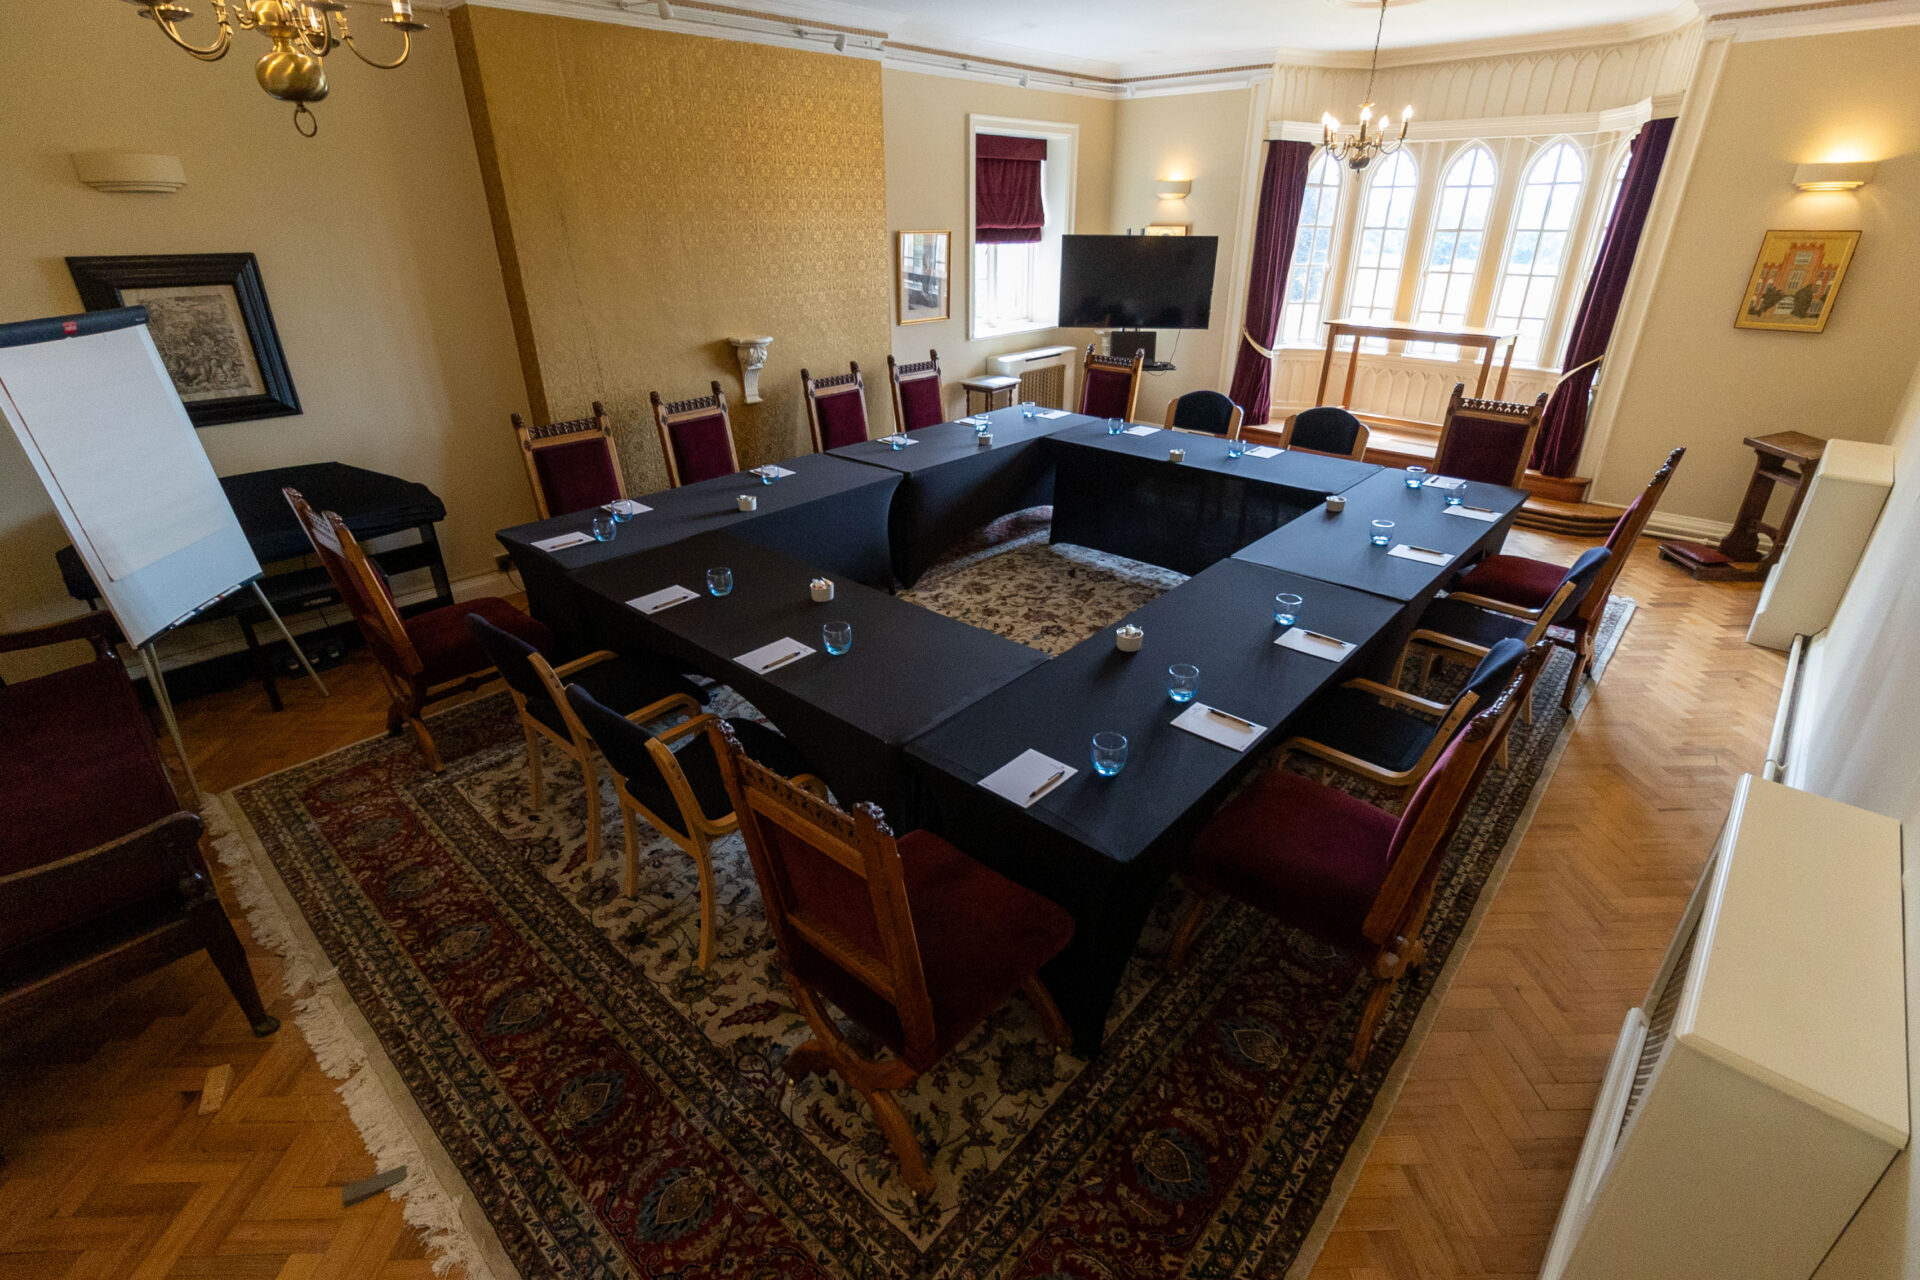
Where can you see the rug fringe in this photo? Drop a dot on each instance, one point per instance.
(317, 994)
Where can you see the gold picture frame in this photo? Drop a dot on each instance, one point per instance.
(1169, 229)
(1795, 280)
(923, 286)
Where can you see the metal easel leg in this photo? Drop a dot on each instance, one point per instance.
(292, 644)
(151, 661)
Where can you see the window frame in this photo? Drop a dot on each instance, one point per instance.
(1314, 311)
(1059, 181)
(1578, 231)
(1363, 196)
(1461, 155)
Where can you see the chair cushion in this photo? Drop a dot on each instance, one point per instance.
(622, 685)
(1471, 623)
(1482, 449)
(624, 745)
(843, 418)
(1356, 722)
(1105, 393)
(1325, 429)
(447, 647)
(1203, 411)
(1516, 580)
(576, 475)
(1305, 853)
(701, 449)
(920, 403)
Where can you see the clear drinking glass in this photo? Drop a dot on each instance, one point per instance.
(1286, 609)
(1109, 753)
(1236, 447)
(719, 581)
(896, 442)
(604, 528)
(1453, 497)
(1382, 532)
(1028, 408)
(1115, 426)
(837, 636)
(1416, 476)
(1183, 681)
(767, 476)
(620, 511)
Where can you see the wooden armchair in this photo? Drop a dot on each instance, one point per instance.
(909, 937)
(1326, 429)
(572, 465)
(836, 408)
(423, 659)
(918, 398)
(1110, 385)
(101, 873)
(1487, 440)
(1205, 413)
(696, 437)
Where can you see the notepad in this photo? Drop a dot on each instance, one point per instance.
(665, 598)
(1312, 642)
(782, 653)
(1140, 431)
(563, 541)
(1445, 482)
(1263, 451)
(1482, 514)
(1028, 777)
(1052, 413)
(771, 470)
(1219, 726)
(1420, 555)
(979, 420)
(626, 507)
(903, 439)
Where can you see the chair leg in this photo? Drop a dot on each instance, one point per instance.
(590, 777)
(633, 847)
(533, 767)
(703, 859)
(1050, 1020)
(427, 747)
(1500, 756)
(223, 947)
(899, 1134)
(396, 719)
(808, 1059)
(1188, 930)
(1582, 662)
(1370, 1022)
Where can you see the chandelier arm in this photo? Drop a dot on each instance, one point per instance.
(210, 53)
(406, 47)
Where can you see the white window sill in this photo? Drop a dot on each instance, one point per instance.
(1032, 326)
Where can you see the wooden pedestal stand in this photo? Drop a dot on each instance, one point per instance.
(1783, 458)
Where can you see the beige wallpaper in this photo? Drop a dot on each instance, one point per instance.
(655, 194)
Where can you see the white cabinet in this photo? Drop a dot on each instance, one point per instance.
(1843, 500)
(1761, 1089)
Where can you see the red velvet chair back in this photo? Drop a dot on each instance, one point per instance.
(1626, 531)
(918, 398)
(572, 465)
(696, 437)
(1110, 385)
(836, 408)
(362, 587)
(1487, 440)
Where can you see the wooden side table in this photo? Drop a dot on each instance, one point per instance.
(991, 386)
(1784, 458)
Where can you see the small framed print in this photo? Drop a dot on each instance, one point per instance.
(924, 291)
(1795, 280)
(1170, 229)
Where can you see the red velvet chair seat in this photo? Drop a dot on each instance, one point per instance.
(1515, 580)
(447, 648)
(1483, 450)
(920, 401)
(843, 419)
(1106, 393)
(700, 449)
(576, 476)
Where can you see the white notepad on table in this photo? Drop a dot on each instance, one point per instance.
(1301, 640)
(1027, 778)
(782, 653)
(665, 598)
(1263, 451)
(563, 541)
(903, 439)
(1207, 722)
(626, 507)
(1052, 413)
(1483, 514)
(768, 470)
(1445, 482)
(1140, 431)
(1420, 555)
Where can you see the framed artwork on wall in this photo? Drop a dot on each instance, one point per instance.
(209, 318)
(1795, 280)
(924, 284)
(1170, 229)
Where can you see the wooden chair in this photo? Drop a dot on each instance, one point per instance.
(1341, 869)
(1487, 440)
(696, 437)
(1391, 737)
(1205, 413)
(630, 686)
(1522, 586)
(678, 793)
(1110, 385)
(1326, 429)
(910, 938)
(836, 408)
(425, 658)
(572, 465)
(919, 400)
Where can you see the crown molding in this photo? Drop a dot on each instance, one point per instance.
(1625, 119)
(1746, 20)
(1678, 18)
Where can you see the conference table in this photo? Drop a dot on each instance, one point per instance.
(924, 707)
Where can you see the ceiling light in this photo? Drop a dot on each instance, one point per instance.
(1361, 148)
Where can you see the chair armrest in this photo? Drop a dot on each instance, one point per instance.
(96, 626)
(672, 702)
(581, 664)
(1495, 606)
(701, 720)
(1387, 693)
(1341, 760)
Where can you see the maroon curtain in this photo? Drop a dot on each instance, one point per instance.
(1007, 204)
(1282, 191)
(1564, 429)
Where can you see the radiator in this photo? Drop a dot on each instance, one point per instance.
(1042, 373)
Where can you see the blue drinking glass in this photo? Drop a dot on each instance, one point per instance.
(620, 512)
(1236, 447)
(767, 476)
(1115, 426)
(1453, 497)
(719, 581)
(1109, 753)
(1286, 609)
(1416, 476)
(604, 528)
(837, 636)
(1183, 681)
(1382, 532)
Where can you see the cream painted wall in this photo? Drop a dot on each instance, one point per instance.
(1202, 137)
(926, 146)
(1692, 378)
(373, 242)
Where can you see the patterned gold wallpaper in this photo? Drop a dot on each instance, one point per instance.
(654, 194)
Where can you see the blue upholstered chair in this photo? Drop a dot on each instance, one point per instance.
(1326, 429)
(1207, 413)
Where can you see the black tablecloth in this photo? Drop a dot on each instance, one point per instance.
(832, 509)
(951, 485)
(1121, 494)
(1102, 847)
(908, 671)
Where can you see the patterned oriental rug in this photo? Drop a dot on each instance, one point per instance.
(573, 1098)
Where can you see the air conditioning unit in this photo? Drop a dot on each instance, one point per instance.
(1042, 373)
(1837, 513)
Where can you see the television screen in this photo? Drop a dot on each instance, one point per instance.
(1136, 282)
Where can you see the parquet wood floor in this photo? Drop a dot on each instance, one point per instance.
(111, 1172)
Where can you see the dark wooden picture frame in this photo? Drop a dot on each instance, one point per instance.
(202, 306)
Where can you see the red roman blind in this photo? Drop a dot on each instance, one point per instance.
(1007, 206)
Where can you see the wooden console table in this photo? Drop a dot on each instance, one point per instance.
(1486, 341)
(1784, 458)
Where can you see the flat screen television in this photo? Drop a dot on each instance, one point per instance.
(1136, 282)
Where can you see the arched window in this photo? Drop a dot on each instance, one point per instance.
(1453, 252)
(1380, 250)
(1537, 253)
(1312, 252)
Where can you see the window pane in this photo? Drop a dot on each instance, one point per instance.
(1466, 196)
(1381, 250)
(1312, 249)
(1536, 256)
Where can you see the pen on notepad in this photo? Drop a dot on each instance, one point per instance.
(1315, 635)
(797, 653)
(1035, 793)
(1431, 551)
(1218, 714)
(1485, 511)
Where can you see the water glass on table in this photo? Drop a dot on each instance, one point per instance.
(719, 581)
(1286, 609)
(1416, 476)
(767, 475)
(1109, 753)
(1454, 495)
(604, 528)
(1183, 681)
(1236, 447)
(837, 637)
(1028, 408)
(1382, 532)
(1115, 426)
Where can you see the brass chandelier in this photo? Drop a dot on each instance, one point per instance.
(303, 33)
(1361, 149)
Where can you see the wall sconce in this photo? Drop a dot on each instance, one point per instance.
(1173, 188)
(1833, 177)
(124, 171)
(752, 355)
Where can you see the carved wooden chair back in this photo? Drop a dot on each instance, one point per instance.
(836, 408)
(919, 400)
(1626, 531)
(1487, 440)
(696, 437)
(1110, 385)
(572, 465)
(364, 590)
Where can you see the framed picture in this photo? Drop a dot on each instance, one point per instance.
(209, 317)
(1170, 229)
(924, 291)
(1795, 280)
